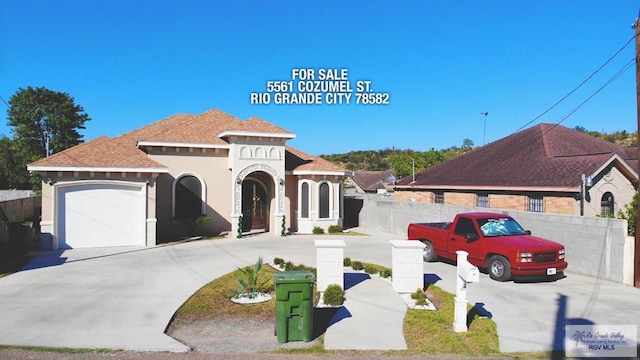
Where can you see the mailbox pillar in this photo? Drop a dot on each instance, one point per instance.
(330, 263)
(407, 265)
(467, 273)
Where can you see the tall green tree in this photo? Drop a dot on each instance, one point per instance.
(44, 122)
(10, 174)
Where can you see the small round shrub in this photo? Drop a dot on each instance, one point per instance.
(278, 261)
(334, 229)
(333, 295)
(370, 269)
(420, 297)
(357, 265)
(346, 261)
(385, 273)
(318, 230)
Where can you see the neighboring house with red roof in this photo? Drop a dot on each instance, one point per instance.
(539, 169)
(144, 187)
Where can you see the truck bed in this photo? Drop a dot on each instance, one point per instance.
(437, 225)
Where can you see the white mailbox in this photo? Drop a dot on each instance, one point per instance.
(467, 272)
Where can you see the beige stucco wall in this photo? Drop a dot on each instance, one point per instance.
(613, 181)
(211, 167)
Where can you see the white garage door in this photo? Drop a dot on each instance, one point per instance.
(101, 214)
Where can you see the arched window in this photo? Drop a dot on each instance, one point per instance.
(188, 197)
(606, 205)
(323, 199)
(304, 200)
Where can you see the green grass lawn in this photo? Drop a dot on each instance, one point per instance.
(426, 332)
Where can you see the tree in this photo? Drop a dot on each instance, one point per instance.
(467, 144)
(9, 172)
(44, 122)
(630, 213)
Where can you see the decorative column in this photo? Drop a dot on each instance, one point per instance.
(407, 265)
(330, 263)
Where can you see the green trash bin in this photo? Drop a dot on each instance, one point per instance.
(294, 305)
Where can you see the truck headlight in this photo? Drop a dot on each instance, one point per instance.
(524, 257)
(561, 254)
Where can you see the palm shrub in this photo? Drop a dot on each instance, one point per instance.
(249, 284)
(333, 295)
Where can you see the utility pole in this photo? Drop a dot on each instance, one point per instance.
(484, 131)
(636, 261)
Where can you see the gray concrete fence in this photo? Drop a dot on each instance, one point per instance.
(597, 247)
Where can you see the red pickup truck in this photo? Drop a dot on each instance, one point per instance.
(495, 242)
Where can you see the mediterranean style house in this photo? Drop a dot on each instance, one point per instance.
(546, 168)
(211, 172)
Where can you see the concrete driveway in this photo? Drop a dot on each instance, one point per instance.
(123, 298)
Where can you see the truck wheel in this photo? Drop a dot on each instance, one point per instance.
(428, 253)
(499, 268)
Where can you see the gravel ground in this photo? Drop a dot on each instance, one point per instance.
(229, 339)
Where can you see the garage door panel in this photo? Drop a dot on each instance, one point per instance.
(101, 215)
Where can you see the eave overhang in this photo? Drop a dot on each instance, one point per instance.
(141, 144)
(109, 169)
(228, 133)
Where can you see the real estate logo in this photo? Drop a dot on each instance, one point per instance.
(601, 341)
(321, 86)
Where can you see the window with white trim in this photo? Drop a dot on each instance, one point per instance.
(607, 205)
(188, 197)
(304, 200)
(324, 200)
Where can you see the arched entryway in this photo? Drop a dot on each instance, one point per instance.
(255, 206)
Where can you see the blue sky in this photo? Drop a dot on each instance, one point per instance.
(443, 63)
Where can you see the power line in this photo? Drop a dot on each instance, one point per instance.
(5, 102)
(579, 85)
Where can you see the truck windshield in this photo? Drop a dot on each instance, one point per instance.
(500, 227)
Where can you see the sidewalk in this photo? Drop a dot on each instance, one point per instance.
(371, 318)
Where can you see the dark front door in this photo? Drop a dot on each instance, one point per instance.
(254, 206)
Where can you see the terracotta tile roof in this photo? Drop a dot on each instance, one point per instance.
(205, 128)
(545, 155)
(259, 125)
(371, 180)
(296, 160)
(101, 152)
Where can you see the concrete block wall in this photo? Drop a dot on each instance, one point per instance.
(597, 247)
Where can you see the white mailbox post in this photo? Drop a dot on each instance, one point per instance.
(467, 273)
(330, 263)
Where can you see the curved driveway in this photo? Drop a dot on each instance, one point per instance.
(123, 298)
